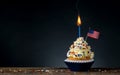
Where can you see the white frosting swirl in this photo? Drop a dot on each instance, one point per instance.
(80, 50)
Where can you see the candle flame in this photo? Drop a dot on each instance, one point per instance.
(78, 21)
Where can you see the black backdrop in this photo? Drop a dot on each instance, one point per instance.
(39, 33)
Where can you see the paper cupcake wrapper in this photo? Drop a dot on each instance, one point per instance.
(79, 61)
(79, 65)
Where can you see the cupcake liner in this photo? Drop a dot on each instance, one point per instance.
(81, 65)
(79, 61)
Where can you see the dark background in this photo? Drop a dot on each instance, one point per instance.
(39, 33)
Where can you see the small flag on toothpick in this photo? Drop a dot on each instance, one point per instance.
(93, 34)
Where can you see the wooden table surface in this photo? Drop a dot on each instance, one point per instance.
(55, 71)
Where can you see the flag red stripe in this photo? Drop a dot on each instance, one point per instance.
(95, 35)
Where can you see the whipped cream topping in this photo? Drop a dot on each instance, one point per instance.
(80, 50)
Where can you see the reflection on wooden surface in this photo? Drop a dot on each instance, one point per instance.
(54, 71)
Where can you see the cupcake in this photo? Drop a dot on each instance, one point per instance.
(79, 56)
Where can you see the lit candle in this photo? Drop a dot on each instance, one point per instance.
(78, 24)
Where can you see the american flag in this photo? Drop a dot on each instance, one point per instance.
(93, 34)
